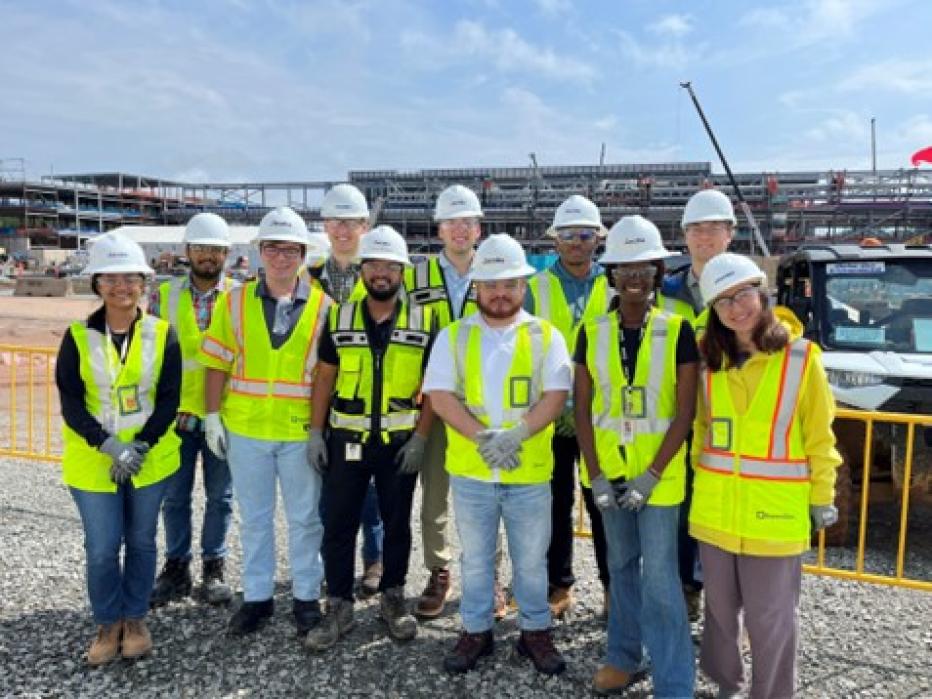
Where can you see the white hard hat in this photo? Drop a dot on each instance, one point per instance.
(318, 249)
(500, 257)
(725, 271)
(457, 201)
(207, 229)
(708, 205)
(344, 201)
(577, 211)
(633, 239)
(383, 243)
(114, 253)
(282, 224)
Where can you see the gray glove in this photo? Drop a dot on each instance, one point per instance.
(822, 516)
(317, 450)
(565, 425)
(126, 459)
(503, 462)
(498, 445)
(638, 491)
(603, 493)
(410, 457)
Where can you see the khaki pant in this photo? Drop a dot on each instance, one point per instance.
(435, 490)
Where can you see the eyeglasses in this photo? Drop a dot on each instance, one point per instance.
(467, 222)
(626, 272)
(383, 267)
(741, 296)
(206, 249)
(345, 222)
(583, 235)
(290, 252)
(112, 280)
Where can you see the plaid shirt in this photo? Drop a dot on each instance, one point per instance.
(339, 283)
(203, 301)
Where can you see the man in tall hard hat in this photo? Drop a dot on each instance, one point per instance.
(498, 379)
(261, 355)
(442, 284)
(573, 290)
(708, 226)
(372, 358)
(346, 219)
(188, 303)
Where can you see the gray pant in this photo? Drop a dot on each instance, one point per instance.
(435, 490)
(767, 589)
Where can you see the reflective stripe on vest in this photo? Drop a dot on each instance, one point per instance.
(425, 285)
(550, 303)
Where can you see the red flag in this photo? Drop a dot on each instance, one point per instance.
(922, 156)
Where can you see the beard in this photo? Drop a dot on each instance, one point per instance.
(206, 270)
(381, 293)
(499, 309)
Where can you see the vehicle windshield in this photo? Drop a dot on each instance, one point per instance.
(879, 305)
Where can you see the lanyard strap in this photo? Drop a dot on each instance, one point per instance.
(627, 367)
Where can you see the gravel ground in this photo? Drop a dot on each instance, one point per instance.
(857, 640)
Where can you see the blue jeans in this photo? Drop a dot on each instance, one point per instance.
(647, 606)
(127, 519)
(176, 509)
(373, 530)
(525, 509)
(257, 467)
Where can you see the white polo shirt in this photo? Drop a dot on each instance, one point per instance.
(497, 349)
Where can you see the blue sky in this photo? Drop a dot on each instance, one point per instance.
(277, 90)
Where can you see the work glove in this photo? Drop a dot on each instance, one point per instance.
(497, 445)
(503, 462)
(410, 457)
(637, 492)
(317, 450)
(125, 460)
(822, 516)
(215, 435)
(565, 425)
(603, 493)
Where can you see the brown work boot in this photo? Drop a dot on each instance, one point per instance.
(371, 577)
(106, 645)
(610, 680)
(499, 602)
(136, 639)
(402, 626)
(561, 599)
(430, 604)
(538, 646)
(469, 648)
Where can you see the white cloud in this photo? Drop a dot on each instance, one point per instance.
(675, 25)
(666, 54)
(845, 126)
(553, 8)
(812, 21)
(906, 76)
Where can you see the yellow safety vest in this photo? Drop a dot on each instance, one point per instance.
(426, 286)
(121, 397)
(269, 391)
(177, 307)
(550, 303)
(640, 413)
(752, 477)
(401, 369)
(523, 388)
(699, 320)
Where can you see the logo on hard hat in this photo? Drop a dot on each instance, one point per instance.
(383, 243)
(458, 202)
(285, 224)
(634, 241)
(725, 276)
(493, 260)
(574, 211)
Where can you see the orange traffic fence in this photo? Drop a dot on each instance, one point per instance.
(30, 427)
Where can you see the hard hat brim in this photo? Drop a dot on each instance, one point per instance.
(208, 241)
(461, 214)
(118, 268)
(760, 277)
(609, 258)
(711, 217)
(520, 273)
(387, 258)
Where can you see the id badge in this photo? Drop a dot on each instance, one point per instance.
(627, 432)
(720, 433)
(128, 400)
(353, 451)
(635, 402)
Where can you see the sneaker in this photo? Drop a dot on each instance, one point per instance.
(106, 645)
(172, 584)
(561, 599)
(467, 651)
(610, 680)
(499, 602)
(214, 589)
(137, 641)
(430, 604)
(402, 626)
(336, 623)
(693, 603)
(371, 577)
(306, 615)
(250, 617)
(538, 646)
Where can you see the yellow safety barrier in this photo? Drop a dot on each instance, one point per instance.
(27, 378)
(898, 579)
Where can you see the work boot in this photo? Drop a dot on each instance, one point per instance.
(306, 615)
(173, 583)
(469, 648)
(136, 639)
(538, 646)
(402, 626)
(430, 604)
(561, 599)
(337, 622)
(214, 589)
(610, 680)
(499, 602)
(693, 603)
(106, 645)
(371, 577)
(250, 617)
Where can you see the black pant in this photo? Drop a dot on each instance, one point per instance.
(345, 490)
(563, 489)
(687, 547)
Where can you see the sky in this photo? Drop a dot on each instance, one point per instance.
(272, 90)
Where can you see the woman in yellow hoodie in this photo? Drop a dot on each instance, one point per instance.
(765, 476)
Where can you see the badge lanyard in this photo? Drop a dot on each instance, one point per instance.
(114, 371)
(627, 424)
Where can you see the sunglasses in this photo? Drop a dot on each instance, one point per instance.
(584, 235)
